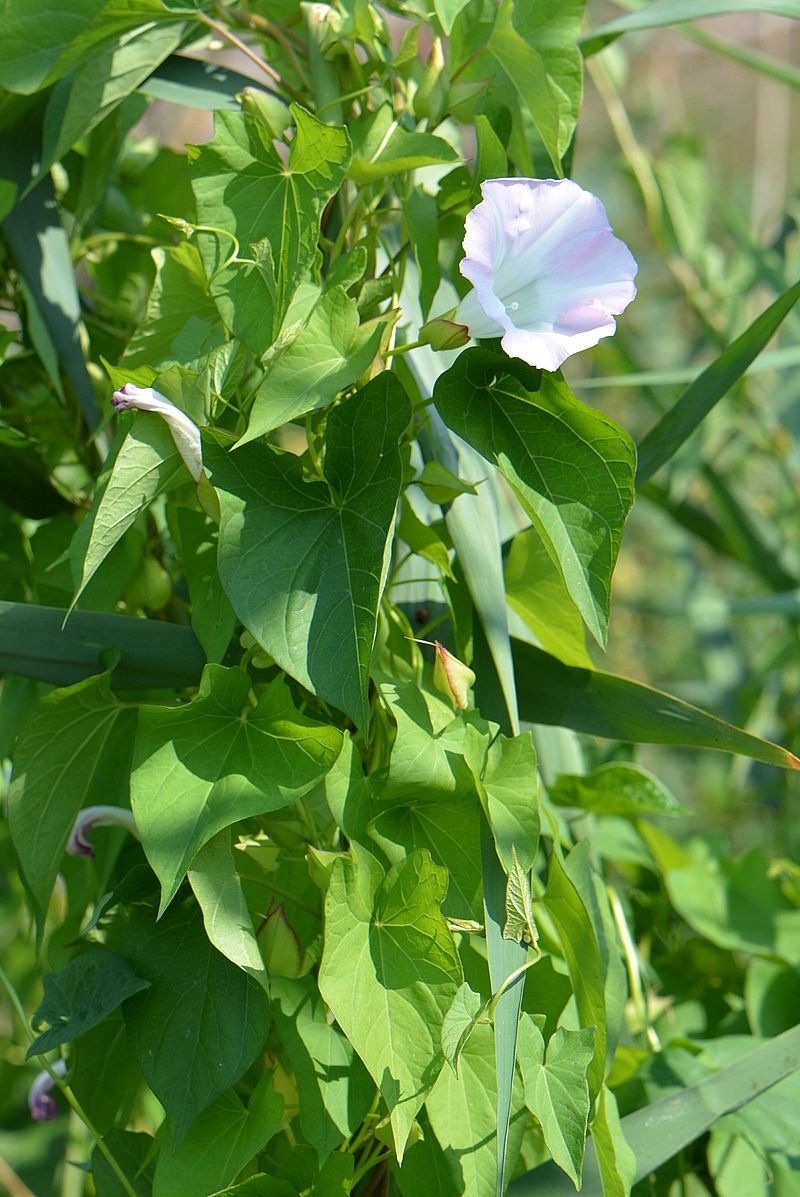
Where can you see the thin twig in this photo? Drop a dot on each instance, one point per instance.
(251, 54)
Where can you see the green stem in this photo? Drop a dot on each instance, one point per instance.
(398, 349)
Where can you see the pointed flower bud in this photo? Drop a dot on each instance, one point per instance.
(41, 1102)
(97, 816)
(442, 333)
(450, 676)
(548, 274)
(185, 433)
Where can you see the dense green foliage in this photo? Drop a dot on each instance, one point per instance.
(385, 896)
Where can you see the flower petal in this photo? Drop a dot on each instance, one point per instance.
(546, 269)
(185, 433)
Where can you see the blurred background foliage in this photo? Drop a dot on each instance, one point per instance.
(691, 137)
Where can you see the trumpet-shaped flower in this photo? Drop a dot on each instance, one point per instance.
(97, 816)
(41, 1103)
(185, 434)
(548, 274)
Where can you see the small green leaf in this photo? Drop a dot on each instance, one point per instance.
(222, 1140)
(389, 973)
(147, 465)
(203, 766)
(520, 924)
(281, 536)
(328, 355)
(557, 1091)
(218, 889)
(91, 986)
(577, 493)
(423, 539)
(447, 11)
(381, 147)
(441, 485)
(459, 1023)
(617, 788)
(280, 945)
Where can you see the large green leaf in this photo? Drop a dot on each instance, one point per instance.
(34, 643)
(201, 1023)
(335, 1087)
(221, 1141)
(672, 12)
(81, 100)
(676, 426)
(603, 704)
(328, 354)
(73, 753)
(571, 467)
(91, 986)
(304, 563)
(242, 185)
(556, 1089)
(41, 43)
(463, 1114)
(536, 45)
(659, 1131)
(201, 767)
(389, 973)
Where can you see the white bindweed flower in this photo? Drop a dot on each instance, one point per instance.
(97, 816)
(41, 1103)
(548, 274)
(185, 434)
